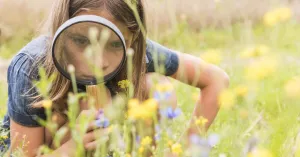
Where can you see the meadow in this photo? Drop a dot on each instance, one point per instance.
(257, 43)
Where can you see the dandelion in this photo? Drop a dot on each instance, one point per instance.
(146, 141)
(261, 69)
(47, 104)
(260, 152)
(201, 121)
(170, 113)
(124, 84)
(176, 148)
(241, 90)
(212, 56)
(227, 98)
(292, 87)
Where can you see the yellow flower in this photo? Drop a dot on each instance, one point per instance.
(141, 150)
(260, 69)
(260, 153)
(257, 51)
(47, 104)
(4, 137)
(275, 16)
(146, 141)
(241, 90)
(165, 87)
(292, 87)
(132, 103)
(212, 56)
(150, 104)
(201, 121)
(227, 99)
(124, 84)
(146, 110)
(176, 149)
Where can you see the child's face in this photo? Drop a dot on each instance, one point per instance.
(76, 41)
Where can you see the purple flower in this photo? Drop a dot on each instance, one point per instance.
(102, 121)
(213, 139)
(170, 113)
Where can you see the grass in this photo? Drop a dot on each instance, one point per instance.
(265, 113)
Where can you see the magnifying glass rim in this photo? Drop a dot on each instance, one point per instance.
(92, 19)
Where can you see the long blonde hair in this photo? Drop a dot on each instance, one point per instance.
(63, 10)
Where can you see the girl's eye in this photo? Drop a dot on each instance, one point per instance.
(116, 44)
(81, 41)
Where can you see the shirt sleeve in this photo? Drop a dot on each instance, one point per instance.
(161, 59)
(21, 91)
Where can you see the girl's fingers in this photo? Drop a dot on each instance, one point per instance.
(93, 145)
(93, 135)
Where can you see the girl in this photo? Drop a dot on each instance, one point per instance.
(23, 69)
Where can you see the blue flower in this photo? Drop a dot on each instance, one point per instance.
(102, 121)
(170, 113)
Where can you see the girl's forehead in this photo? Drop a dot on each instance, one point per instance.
(105, 14)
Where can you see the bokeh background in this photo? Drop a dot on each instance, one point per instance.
(256, 41)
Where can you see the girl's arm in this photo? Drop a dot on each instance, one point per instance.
(209, 78)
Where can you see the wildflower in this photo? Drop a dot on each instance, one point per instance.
(132, 103)
(4, 137)
(170, 113)
(146, 141)
(227, 98)
(124, 84)
(260, 152)
(261, 69)
(71, 68)
(47, 104)
(150, 104)
(212, 56)
(241, 90)
(292, 87)
(257, 51)
(201, 121)
(176, 148)
(275, 16)
(213, 140)
(141, 150)
(144, 110)
(102, 121)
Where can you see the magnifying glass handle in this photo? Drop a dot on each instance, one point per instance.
(99, 94)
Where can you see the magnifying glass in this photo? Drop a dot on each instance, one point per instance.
(95, 47)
